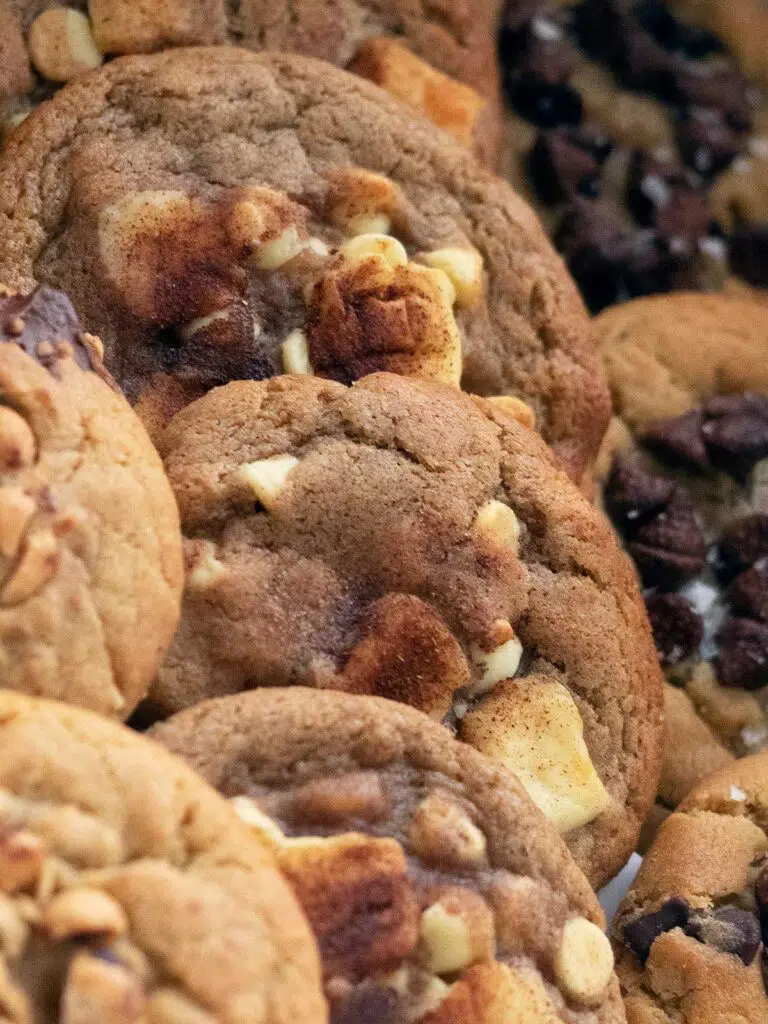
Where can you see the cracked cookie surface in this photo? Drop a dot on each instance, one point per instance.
(436, 891)
(400, 538)
(202, 207)
(130, 892)
(90, 549)
(691, 934)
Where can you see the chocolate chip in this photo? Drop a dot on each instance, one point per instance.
(600, 26)
(546, 105)
(748, 594)
(369, 1004)
(677, 629)
(749, 254)
(45, 316)
(679, 441)
(641, 933)
(641, 63)
(669, 549)
(557, 168)
(735, 443)
(723, 89)
(662, 194)
(633, 496)
(743, 543)
(689, 40)
(727, 929)
(743, 657)
(706, 141)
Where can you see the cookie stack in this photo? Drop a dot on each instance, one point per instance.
(302, 421)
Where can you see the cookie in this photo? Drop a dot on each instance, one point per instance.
(686, 488)
(691, 934)
(435, 890)
(90, 545)
(231, 238)
(440, 62)
(131, 891)
(400, 538)
(638, 138)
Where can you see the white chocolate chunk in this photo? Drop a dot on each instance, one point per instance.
(464, 268)
(584, 962)
(497, 520)
(295, 353)
(534, 729)
(208, 570)
(442, 831)
(363, 202)
(369, 224)
(278, 251)
(267, 477)
(61, 44)
(501, 663)
(445, 940)
(362, 247)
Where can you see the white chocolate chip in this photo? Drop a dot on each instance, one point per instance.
(266, 829)
(278, 251)
(498, 521)
(534, 729)
(37, 565)
(16, 510)
(82, 911)
(61, 44)
(442, 831)
(267, 477)
(17, 442)
(363, 202)
(207, 569)
(445, 941)
(501, 663)
(385, 247)
(369, 224)
(295, 352)
(584, 962)
(464, 267)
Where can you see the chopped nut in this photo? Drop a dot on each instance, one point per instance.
(97, 991)
(383, 247)
(206, 569)
(267, 830)
(38, 563)
(61, 44)
(340, 798)
(81, 911)
(295, 352)
(16, 511)
(17, 442)
(515, 408)
(442, 832)
(267, 477)
(21, 860)
(14, 931)
(456, 931)
(498, 521)
(584, 962)
(362, 202)
(464, 267)
(501, 663)
(166, 1006)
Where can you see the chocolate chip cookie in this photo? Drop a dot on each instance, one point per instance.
(90, 548)
(435, 890)
(400, 538)
(438, 60)
(131, 891)
(688, 491)
(692, 934)
(217, 214)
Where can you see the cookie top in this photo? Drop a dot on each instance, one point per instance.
(472, 886)
(401, 538)
(131, 890)
(89, 530)
(206, 198)
(691, 935)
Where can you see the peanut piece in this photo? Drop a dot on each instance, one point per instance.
(83, 911)
(17, 442)
(61, 44)
(267, 477)
(584, 962)
(38, 564)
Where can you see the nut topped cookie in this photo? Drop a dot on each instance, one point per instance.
(691, 936)
(400, 538)
(435, 890)
(217, 215)
(131, 892)
(90, 549)
(687, 489)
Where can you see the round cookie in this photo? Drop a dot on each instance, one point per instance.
(131, 891)
(401, 538)
(685, 483)
(236, 233)
(436, 891)
(90, 548)
(692, 933)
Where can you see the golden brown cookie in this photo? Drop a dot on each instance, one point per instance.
(436, 891)
(218, 214)
(691, 934)
(685, 484)
(90, 548)
(131, 891)
(440, 61)
(401, 538)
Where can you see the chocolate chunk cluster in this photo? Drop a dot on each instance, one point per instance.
(658, 521)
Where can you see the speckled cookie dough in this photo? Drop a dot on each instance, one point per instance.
(90, 547)
(436, 891)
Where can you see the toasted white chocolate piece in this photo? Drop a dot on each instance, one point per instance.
(387, 248)
(295, 353)
(362, 202)
(500, 663)
(267, 477)
(61, 44)
(278, 251)
(498, 521)
(442, 831)
(584, 962)
(464, 267)
(445, 940)
(534, 729)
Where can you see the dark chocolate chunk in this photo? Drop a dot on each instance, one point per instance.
(706, 141)
(735, 443)
(677, 629)
(723, 89)
(743, 657)
(600, 26)
(727, 929)
(37, 321)
(545, 105)
(679, 441)
(633, 496)
(743, 543)
(749, 254)
(670, 549)
(748, 594)
(641, 933)
(665, 196)
(557, 168)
